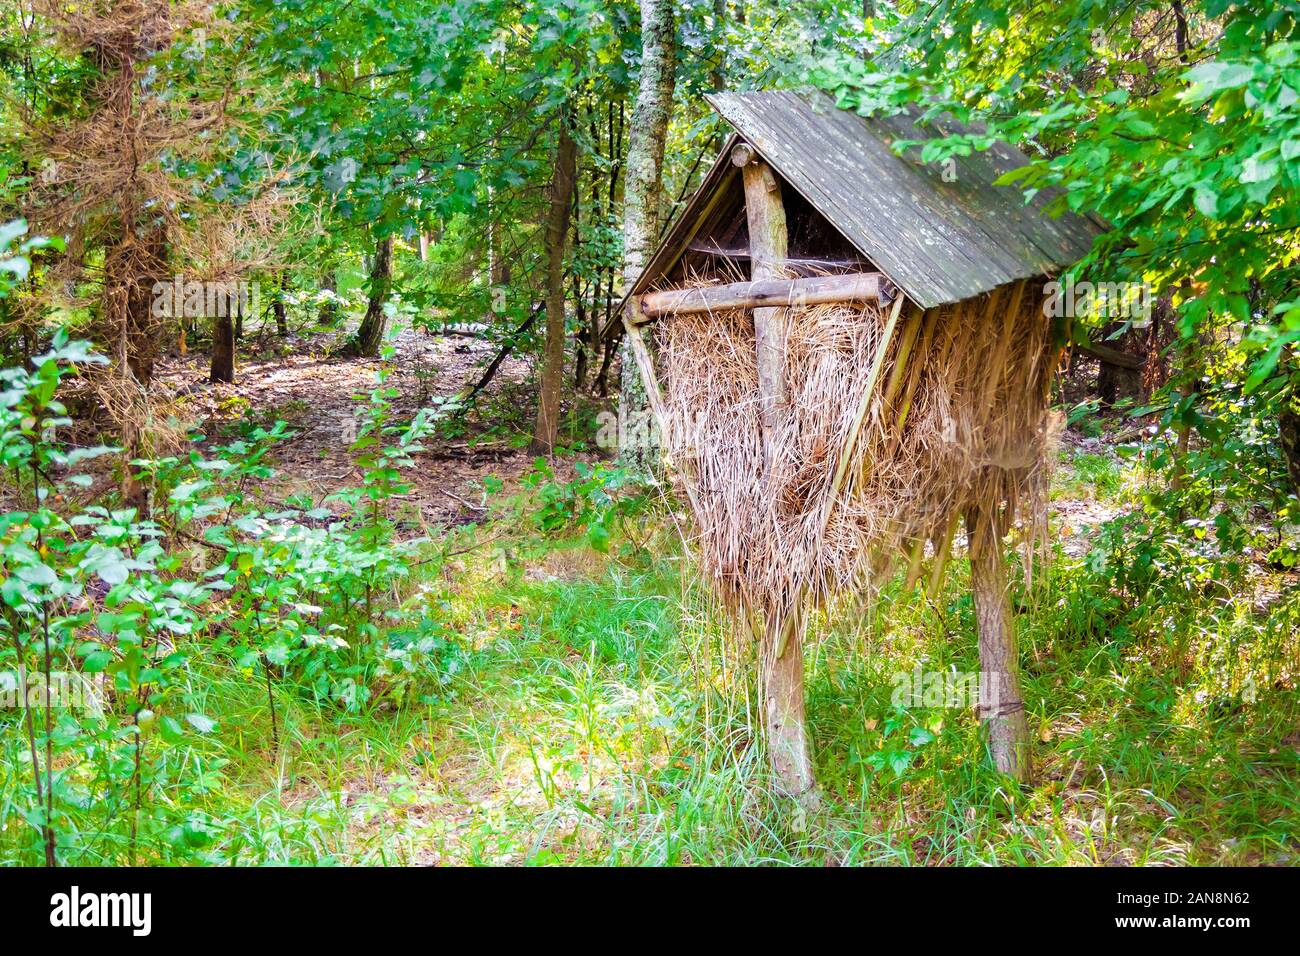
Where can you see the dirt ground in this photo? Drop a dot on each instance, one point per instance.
(319, 396)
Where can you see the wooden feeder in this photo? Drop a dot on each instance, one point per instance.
(917, 290)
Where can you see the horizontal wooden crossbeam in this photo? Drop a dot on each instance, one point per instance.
(818, 290)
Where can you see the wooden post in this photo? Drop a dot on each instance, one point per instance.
(765, 214)
(1002, 707)
(783, 708)
(633, 319)
(815, 290)
(781, 654)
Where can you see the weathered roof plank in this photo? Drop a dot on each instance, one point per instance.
(939, 241)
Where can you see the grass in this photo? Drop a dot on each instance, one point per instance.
(1096, 476)
(603, 718)
(597, 713)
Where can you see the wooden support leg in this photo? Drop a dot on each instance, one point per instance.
(765, 216)
(654, 395)
(1002, 707)
(782, 651)
(783, 711)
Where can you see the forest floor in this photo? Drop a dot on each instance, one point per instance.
(594, 710)
(319, 396)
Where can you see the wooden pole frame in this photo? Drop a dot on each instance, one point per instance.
(1003, 718)
(767, 295)
(1005, 726)
(795, 293)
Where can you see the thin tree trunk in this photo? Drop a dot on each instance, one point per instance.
(589, 331)
(281, 318)
(1118, 382)
(612, 195)
(557, 232)
(1180, 30)
(133, 267)
(143, 263)
(328, 310)
(1159, 335)
(371, 333)
(718, 74)
(579, 301)
(602, 377)
(1002, 705)
(1289, 438)
(467, 395)
(642, 195)
(223, 347)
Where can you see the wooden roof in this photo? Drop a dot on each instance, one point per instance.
(938, 241)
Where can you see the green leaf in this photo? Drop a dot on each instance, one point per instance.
(919, 737)
(37, 573)
(1211, 78)
(188, 490)
(113, 571)
(96, 661)
(1257, 170)
(201, 723)
(172, 731)
(1207, 201)
(598, 537)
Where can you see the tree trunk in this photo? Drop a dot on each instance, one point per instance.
(365, 344)
(718, 74)
(642, 195)
(132, 267)
(1118, 382)
(602, 377)
(579, 301)
(328, 310)
(557, 233)
(1002, 707)
(223, 349)
(281, 318)
(1288, 436)
(1159, 336)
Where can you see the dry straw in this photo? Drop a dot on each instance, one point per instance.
(958, 420)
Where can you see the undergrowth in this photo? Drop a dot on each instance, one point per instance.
(303, 684)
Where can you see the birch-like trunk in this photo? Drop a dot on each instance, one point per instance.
(642, 195)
